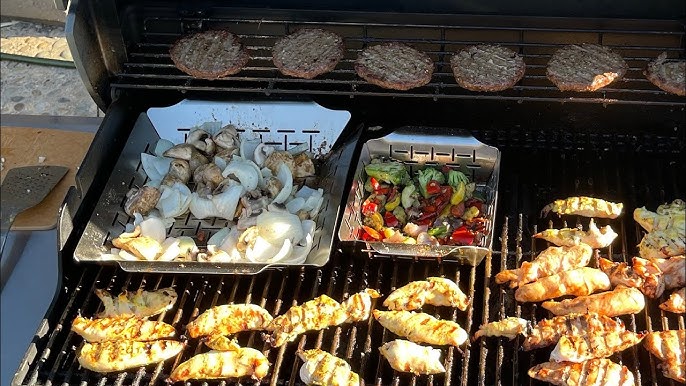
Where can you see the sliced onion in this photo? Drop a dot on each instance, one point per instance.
(306, 192)
(278, 226)
(226, 202)
(300, 251)
(218, 238)
(174, 200)
(286, 178)
(172, 249)
(201, 207)
(154, 228)
(294, 205)
(315, 210)
(261, 250)
(127, 256)
(187, 247)
(284, 253)
(221, 162)
(162, 145)
(248, 146)
(247, 174)
(155, 167)
(153, 183)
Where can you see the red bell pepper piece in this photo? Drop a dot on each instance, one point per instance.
(390, 220)
(369, 208)
(463, 236)
(372, 232)
(433, 187)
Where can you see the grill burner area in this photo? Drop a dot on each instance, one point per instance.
(535, 170)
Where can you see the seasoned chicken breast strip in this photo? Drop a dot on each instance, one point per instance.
(672, 215)
(106, 329)
(509, 327)
(220, 343)
(620, 301)
(316, 314)
(567, 237)
(358, 307)
(241, 362)
(596, 372)
(676, 302)
(551, 261)
(663, 243)
(548, 331)
(647, 276)
(410, 357)
(584, 206)
(670, 348)
(421, 327)
(141, 303)
(229, 319)
(437, 291)
(323, 369)
(581, 348)
(106, 357)
(577, 282)
(673, 270)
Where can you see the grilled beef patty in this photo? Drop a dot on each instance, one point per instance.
(394, 65)
(668, 74)
(308, 52)
(585, 67)
(487, 68)
(209, 55)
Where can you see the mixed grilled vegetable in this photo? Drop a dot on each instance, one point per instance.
(437, 206)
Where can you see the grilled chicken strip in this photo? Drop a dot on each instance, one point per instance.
(620, 301)
(410, 357)
(316, 314)
(578, 282)
(106, 329)
(220, 343)
(673, 270)
(584, 206)
(106, 357)
(241, 362)
(551, 261)
(509, 327)
(548, 331)
(567, 237)
(141, 303)
(578, 349)
(596, 372)
(646, 278)
(229, 319)
(437, 291)
(670, 347)
(676, 302)
(663, 243)
(358, 307)
(422, 328)
(672, 215)
(323, 369)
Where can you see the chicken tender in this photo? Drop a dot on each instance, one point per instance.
(508, 327)
(422, 328)
(551, 261)
(358, 307)
(620, 301)
(676, 302)
(663, 243)
(437, 291)
(141, 303)
(316, 314)
(229, 319)
(107, 329)
(410, 357)
(670, 348)
(597, 372)
(548, 331)
(578, 282)
(323, 369)
(584, 206)
(672, 215)
(242, 362)
(107, 357)
(581, 348)
(567, 237)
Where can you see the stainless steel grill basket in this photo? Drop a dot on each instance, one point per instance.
(418, 147)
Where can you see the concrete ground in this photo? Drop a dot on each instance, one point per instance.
(36, 89)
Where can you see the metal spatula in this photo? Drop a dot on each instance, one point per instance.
(23, 188)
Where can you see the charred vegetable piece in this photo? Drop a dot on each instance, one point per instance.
(391, 172)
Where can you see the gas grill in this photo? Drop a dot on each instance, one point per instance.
(623, 143)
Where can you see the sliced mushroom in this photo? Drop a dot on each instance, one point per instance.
(179, 171)
(202, 141)
(277, 158)
(273, 186)
(189, 153)
(247, 238)
(141, 200)
(209, 174)
(303, 166)
(261, 153)
(227, 137)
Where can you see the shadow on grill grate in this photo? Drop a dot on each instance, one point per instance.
(149, 66)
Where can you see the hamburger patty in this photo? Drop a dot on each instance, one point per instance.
(209, 55)
(668, 74)
(394, 65)
(308, 52)
(585, 67)
(487, 68)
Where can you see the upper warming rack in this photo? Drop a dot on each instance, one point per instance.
(148, 65)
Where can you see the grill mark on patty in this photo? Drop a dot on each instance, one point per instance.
(487, 68)
(667, 74)
(209, 55)
(394, 65)
(308, 52)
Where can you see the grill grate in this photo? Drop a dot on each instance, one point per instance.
(620, 174)
(148, 65)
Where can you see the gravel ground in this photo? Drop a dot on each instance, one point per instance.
(37, 89)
